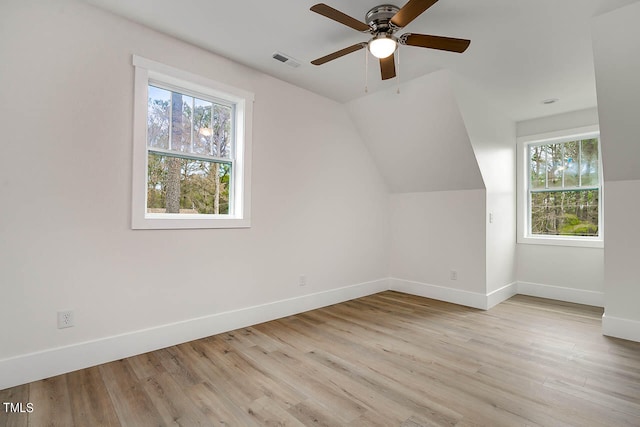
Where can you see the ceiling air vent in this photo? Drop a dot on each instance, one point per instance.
(279, 56)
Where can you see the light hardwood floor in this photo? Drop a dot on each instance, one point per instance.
(388, 359)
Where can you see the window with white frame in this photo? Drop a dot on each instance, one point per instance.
(192, 139)
(561, 197)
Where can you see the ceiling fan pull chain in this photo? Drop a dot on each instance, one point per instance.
(366, 70)
(398, 74)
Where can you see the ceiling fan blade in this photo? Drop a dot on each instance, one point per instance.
(388, 67)
(435, 42)
(340, 17)
(338, 54)
(411, 11)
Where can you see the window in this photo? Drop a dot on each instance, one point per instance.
(561, 200)
(192, 139)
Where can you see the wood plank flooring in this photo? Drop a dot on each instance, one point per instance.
(389, 359)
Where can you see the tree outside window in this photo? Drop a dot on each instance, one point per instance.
(189, 160)
(564, 188)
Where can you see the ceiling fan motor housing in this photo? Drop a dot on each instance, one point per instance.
(379, 18)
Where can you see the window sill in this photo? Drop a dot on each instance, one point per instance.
(563, 241)
(186, 221)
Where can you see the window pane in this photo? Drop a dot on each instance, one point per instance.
(555, 164)
(187, 124)
(185, 186)
(571, 164)
(181, 106)
(566, 213)
(202, 130)
(221, 131)
(538, 165)
(158, 118)
(589, 162)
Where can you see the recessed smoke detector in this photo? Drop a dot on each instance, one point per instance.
(285, 59)
(550, 101)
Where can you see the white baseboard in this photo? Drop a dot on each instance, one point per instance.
(51, 362)
(26, 368)
(504, 293)
(456, 296)
(578, 296)
(618, 327)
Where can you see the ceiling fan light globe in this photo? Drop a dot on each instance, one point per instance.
(382, 47)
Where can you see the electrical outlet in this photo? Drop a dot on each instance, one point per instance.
(453, 275)
(66, 319)
(303, 280)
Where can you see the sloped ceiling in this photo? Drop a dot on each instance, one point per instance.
(521, 52)
(417, 137)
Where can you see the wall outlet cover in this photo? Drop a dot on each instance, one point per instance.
(66, 319)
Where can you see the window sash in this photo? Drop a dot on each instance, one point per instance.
(568, 209)
(563, 142)
(198, 201)
(562, 189)
(189, 156)
(204, 97)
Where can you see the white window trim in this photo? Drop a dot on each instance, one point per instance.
(522, 166)
(240, 217)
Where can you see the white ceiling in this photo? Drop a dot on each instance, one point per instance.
(522, 51)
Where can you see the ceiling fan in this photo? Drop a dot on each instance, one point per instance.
(382, 22)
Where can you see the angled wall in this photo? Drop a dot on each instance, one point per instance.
(417, 137)
(616, 45)
(492, 136)
(437, 206)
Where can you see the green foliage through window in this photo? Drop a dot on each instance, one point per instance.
(564, 188)
(204, 186)
(189, 154)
